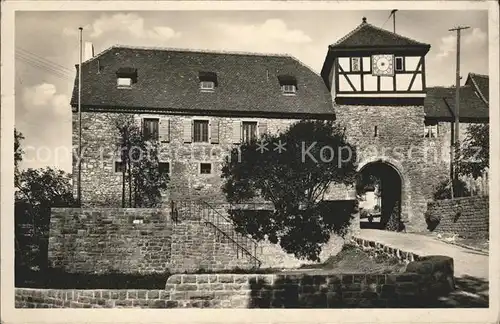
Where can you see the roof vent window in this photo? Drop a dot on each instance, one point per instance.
(288, 84)
(208, 81)
(126, 76)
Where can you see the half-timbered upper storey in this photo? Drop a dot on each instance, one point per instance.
(371, 62)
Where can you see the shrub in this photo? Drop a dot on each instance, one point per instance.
(432, 220)
(443, 189)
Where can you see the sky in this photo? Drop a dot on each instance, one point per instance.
(47, 49)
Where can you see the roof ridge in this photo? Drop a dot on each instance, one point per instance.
(350, 33)
(366, 24)
(179, 49)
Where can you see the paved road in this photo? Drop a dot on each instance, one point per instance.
(466, 262)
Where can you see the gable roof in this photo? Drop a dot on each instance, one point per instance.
(481, 83)
(369, 35)
(168, 79)
(439, 103)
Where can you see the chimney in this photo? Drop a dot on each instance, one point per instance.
(89, 51)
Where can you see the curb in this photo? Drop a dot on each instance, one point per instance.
(486, 252)
(401, 255)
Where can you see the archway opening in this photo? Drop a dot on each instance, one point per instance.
(379, 192)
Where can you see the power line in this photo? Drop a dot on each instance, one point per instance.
(46, 69)
(38, 57)
(45, 65)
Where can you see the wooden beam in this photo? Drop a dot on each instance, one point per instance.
(347, 78)
(415, 74)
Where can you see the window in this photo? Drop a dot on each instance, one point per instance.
(289, 88)
(164, 168)
(150, 128)
(207, 85)
(119, 167)
(431, 130)
(355, 64)
(249, 131)
(124, 83)
(205, 168)
(200, 133)
(400, 66)
(375, 131)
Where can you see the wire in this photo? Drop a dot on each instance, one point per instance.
(45, 66)
(390, 15)
(38, 57)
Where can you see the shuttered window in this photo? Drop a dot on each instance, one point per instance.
(200, 131)
(262, 128)
(236, 132)
(187, 130)
(214, 131)
(249, 131)
(164, 130)
(150, 128)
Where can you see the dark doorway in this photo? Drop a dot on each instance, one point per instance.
(379, 193)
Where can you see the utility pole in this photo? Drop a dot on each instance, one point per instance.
(456, 140)
(79, 194)
(393, 13)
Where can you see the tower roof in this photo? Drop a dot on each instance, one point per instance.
(368, 35)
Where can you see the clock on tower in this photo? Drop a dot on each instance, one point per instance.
(382, 65)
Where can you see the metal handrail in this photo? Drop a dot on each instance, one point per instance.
(215, 222)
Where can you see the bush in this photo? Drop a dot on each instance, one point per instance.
(60, 279)
(443, 189)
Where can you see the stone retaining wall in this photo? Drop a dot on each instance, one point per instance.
(247, 291)
(467, 216)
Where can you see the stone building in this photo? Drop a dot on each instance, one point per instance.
(199, 104)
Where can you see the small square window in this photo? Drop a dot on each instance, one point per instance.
(400, 66)
(164, 167)
(289, 88)
(355, 64)
(124, 82)
(207, 85)
(205, 168)
(119, 166)
(431, 131)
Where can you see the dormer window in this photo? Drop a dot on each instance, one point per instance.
(208, 81)
(207, 85)
(125, 77)
(288, 84)
(288, 89)
(124, 82)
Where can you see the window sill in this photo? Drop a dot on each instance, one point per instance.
(123, 87)
(207, 90)
(289, 94)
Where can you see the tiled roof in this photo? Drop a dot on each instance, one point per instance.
(169, 79)
(481, 84)
(440, 100)
(368, 35)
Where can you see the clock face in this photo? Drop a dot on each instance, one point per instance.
(382, 65)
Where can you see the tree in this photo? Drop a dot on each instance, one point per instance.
(443, 189)
(140, 165)
(474, 154)
(295, 178)
(18, 153)
(37, 191)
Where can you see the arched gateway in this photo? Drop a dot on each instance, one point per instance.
(380, 188)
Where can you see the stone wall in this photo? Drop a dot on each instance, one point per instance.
(131, 240)
(467, 216)
(247, 291)
(398, 140)
(102, 186)
(110, 239)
